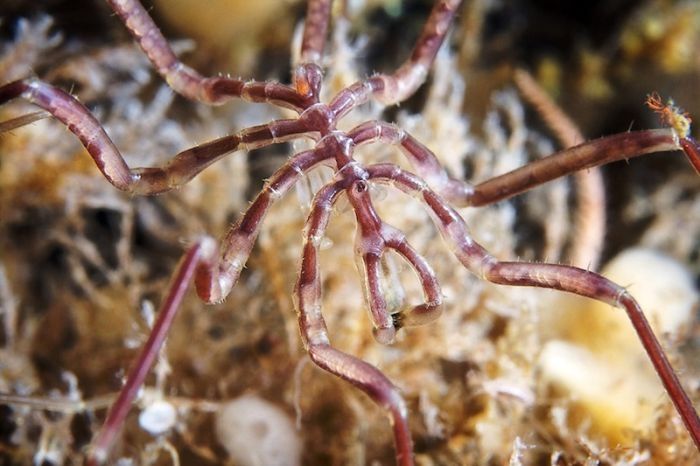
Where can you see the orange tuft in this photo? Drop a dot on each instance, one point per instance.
(670, 114)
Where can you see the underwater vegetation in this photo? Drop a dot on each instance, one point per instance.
(500, 374)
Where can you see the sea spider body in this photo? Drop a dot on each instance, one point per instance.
(215, 270)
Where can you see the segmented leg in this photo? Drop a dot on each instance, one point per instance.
(419, 156)
(558, 277)
(314, 333)
(586, 155)
(152, 180)
(429, 311)
(692, 152)
(400, 85)
(215, 279)
(589, 154)
(102, 443)
(373, 237)
(23, 120)
(318, 14)
(186, 81)
(592, 285)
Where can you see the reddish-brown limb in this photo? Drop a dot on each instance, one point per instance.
(558, 277)
(586, 155)
(373, 237)
(307, 294)
(151, 180)
(419, 156)
(589, 221)
(215, 279)
(393, 88)
(431, 309)
(401, 84)
(589, 154)
(104, 440)
(186, 81)
(318, 14)
(23, 120)
(592, 285)
(691, 148)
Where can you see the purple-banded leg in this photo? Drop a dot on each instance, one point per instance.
(188, 82)
(202, 250)
(592, 285)
(318, 14)
(393, 88)
(558, 277)
(307, 294)
(586, 155)
(589, 154)
(215, 279)
(152, 180)
(373, 238)
(430, 310)
(424, 162)
(308, 75)
(691, 148)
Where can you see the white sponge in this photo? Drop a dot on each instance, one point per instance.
(257, 433)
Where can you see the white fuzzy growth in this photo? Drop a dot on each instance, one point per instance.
(257, 433)
(158, 418)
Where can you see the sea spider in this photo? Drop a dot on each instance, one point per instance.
(216, 270)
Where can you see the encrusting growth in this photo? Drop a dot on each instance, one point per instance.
(215, 270)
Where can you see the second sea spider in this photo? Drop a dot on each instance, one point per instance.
(216, 271)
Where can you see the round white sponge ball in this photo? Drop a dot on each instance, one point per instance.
(257, 433)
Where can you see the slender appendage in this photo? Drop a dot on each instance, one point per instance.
(377, 386)
(394, 88)
(215, 273)
(318, 15)
(18, 122)
(558, 277)
(353, 96)
(373, 237)
(152, 180)
(370, 269)
(307, 291)
(589, 221)
(215, 278)
(370, 243)
(401, 85)
(587, 155)
(419, 156)
(429, 311)
(692, 152)
(186, 81)
(314, 333)
(102, 444)
(592, 285)
(680, 398)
